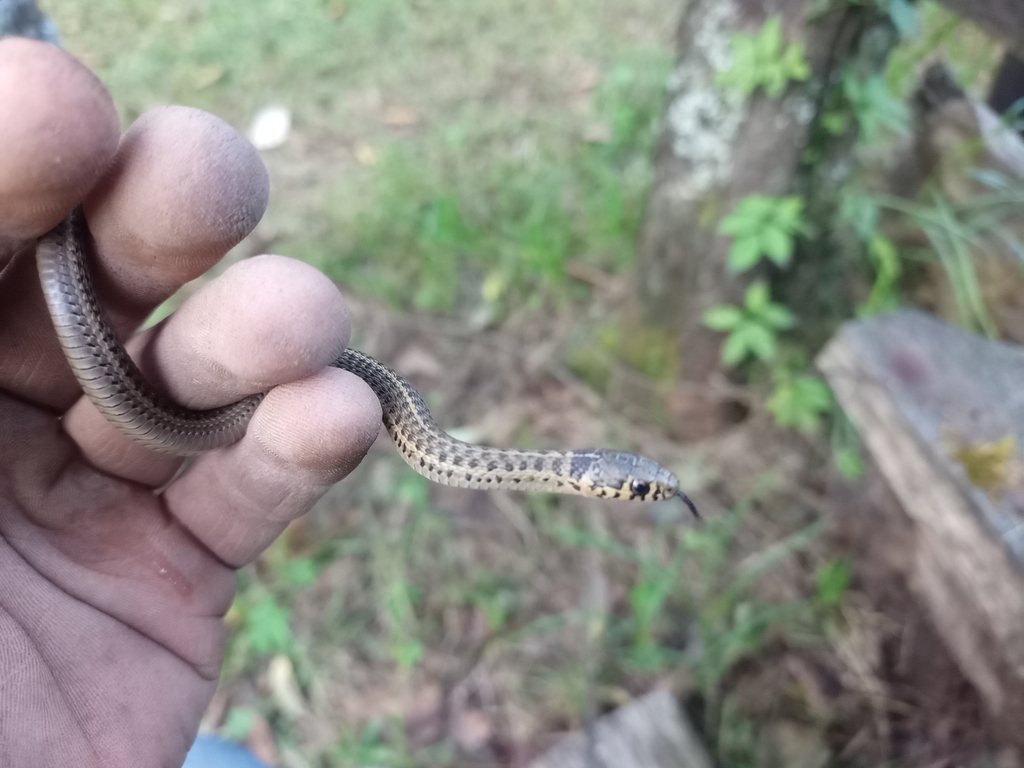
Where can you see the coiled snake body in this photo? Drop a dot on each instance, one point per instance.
(114, 384)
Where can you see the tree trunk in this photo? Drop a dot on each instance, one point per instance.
(718, 147)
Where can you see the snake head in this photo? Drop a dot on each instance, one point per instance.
(625, 475)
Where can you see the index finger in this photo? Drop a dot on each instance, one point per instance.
(58, 135)
(184, 187)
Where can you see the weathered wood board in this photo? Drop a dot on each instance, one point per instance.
(927, 397)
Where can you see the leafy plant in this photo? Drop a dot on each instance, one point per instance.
(265, 625)
(647, 600)
(874, 105)
(763, 60)
(763, 226)
(833, 580)
(238, 723)
(799, 400)
(846, 447)
(753, 328)
(736, 744)
(884, 296)
(301, 571)
(859, 209)
(380, 742)
(495, 596)
(398, 598)
(732, 623)
(902, 15)
(952, 231)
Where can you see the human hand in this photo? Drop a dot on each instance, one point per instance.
(111, 608)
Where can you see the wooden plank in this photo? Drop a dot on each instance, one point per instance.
(918, 391)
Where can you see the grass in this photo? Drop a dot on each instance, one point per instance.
(687, 605)
(444, 228)
(489, 198)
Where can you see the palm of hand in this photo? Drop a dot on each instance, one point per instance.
(110, 614)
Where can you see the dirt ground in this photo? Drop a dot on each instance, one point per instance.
(870, 684)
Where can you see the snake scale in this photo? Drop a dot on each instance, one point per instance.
(115, 385)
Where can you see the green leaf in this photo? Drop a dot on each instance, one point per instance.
(781, 404)
(301, 571)
(646, 598)
(407, 653)
(884, 295)
(813, 392)
(744, 253)
(874, 105)
(903, 17)
(762, 60)
(774, 81)
(777, 316)
(758, 207)
(860, 210)
(734, 351)
(883, 251)
(849, 463)
(833, 581)
(789, 212)
(266, 627)
(799, 402)
(795, 63)
(768, 44)
(777, 245)
(413, 490)
(746, 217)
(238, 723)
(723, 318)
(759, 341)
(834, 122)
(756, 297)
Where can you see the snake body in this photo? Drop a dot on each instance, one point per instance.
(112, 381)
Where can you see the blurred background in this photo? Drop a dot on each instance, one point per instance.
(623, 223)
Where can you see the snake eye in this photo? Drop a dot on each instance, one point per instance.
(640, 488)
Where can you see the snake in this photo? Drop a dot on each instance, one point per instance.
(114, 384)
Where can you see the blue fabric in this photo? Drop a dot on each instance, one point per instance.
(22, 17)
(214, 752)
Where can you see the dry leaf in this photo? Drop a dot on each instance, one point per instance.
(284, 689)
(401, 117)
(586, 78)
(473, 729)
(597, 133)
(425, 716)
(365, 154)
(204, 77)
